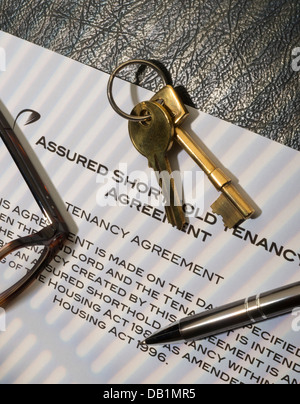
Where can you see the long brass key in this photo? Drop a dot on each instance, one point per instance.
(153, 139)
(230, 205)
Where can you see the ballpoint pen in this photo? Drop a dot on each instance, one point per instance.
(231, 316)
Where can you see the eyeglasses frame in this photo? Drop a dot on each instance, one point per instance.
(52, 237)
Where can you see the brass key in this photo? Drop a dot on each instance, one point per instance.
(153, 139)
(230, 205)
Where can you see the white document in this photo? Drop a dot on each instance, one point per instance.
(125, 272)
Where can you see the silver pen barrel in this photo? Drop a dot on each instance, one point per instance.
(241, 313)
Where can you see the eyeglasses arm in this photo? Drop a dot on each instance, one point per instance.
(30, 174)
(51, 237)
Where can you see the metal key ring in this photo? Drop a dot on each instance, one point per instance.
(110, 86)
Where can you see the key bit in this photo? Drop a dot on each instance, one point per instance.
(233, 208)
(230, 205)
(153, 139)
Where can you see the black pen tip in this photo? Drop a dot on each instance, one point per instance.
(164, 336)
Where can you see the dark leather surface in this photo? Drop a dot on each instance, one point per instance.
(232, 57)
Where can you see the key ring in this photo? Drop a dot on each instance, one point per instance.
(110, 86)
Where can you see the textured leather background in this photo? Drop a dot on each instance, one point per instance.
(232, 57)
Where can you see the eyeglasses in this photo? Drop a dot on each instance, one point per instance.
(50, 238)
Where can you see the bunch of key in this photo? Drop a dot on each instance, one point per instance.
(154, 139)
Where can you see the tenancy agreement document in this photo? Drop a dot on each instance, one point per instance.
(125, 272)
